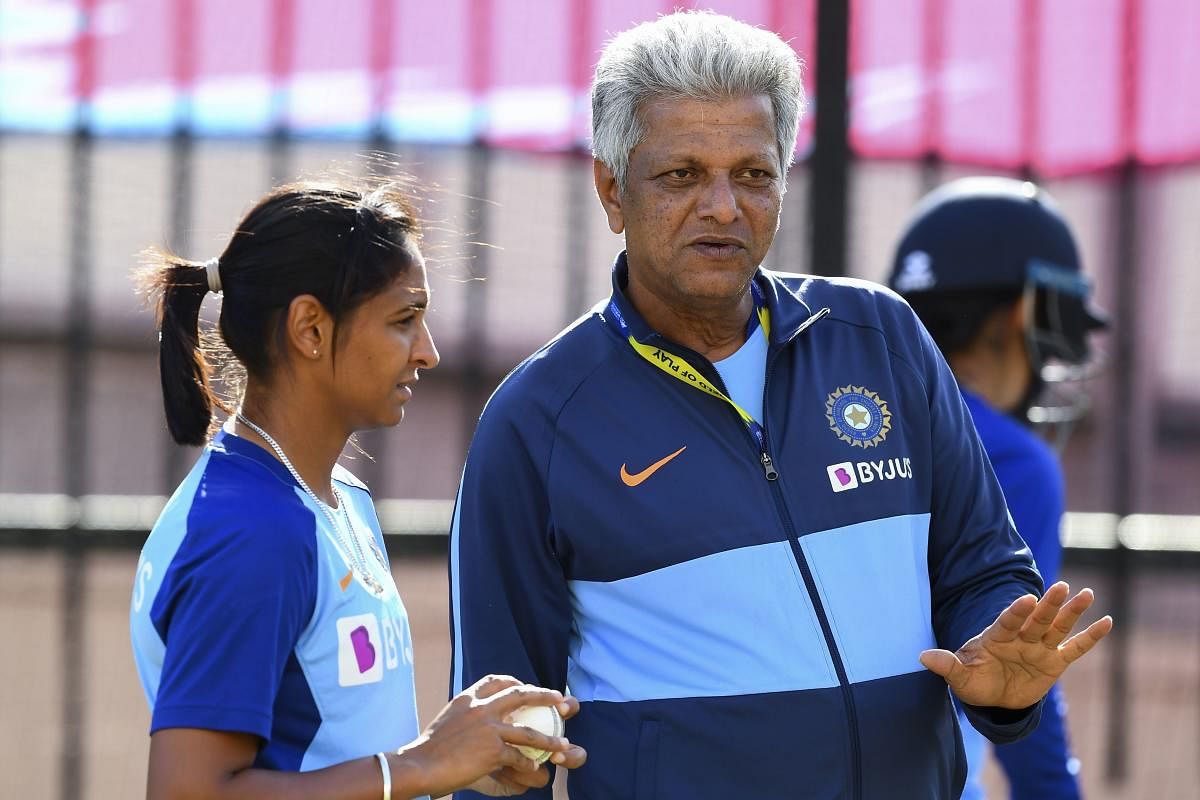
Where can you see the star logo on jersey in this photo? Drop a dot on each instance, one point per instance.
(858, 416)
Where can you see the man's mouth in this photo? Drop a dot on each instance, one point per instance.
(717, 247)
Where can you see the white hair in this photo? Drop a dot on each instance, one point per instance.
(695, 55)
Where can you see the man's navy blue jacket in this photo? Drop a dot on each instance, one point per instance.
(731, 635)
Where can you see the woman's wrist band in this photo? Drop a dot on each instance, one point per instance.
(387, 776)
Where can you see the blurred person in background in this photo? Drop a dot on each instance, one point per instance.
(737, 511)
(992, 269)
(268, 633)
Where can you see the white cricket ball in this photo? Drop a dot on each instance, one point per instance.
(543, 719)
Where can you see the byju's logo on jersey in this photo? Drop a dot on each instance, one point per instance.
(359, 658)
(858, 416)
(850, 474)
(841, 476)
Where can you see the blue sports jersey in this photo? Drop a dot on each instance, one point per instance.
(1039, 767)
(732, 631)
(245, 617)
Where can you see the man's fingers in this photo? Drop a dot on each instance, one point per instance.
(569, 707)
(1086, 639)
(1008, 624)
(489, 685)
(1045, 612)
(1066, 618)
(945, 664)
(571, 758)
(513, 697)
(515, 761)
(517, 780)
(521, 736)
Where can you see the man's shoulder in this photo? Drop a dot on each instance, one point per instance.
(547, 378)
(854, 300)
(868, 308)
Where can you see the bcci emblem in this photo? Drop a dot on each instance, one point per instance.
(858, 416)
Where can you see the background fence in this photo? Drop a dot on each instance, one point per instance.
(124, 124)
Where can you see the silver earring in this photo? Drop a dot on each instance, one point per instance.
(316, 354)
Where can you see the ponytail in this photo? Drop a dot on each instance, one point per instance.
(179, 286)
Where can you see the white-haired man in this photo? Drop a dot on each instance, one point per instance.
(742, 514)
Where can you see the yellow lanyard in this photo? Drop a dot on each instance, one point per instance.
(680, 369)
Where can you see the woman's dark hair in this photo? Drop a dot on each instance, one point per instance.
(341, 242)
(954, 318)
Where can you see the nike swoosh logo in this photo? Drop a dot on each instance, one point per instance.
(638, 477)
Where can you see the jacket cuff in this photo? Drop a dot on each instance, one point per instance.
(1004, 725)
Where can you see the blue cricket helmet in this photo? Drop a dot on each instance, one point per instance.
(996, 234)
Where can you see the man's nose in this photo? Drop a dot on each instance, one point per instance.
(719, 201)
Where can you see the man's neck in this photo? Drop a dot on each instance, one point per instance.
(713, 328)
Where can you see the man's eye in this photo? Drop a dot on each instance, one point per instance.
(680, 174)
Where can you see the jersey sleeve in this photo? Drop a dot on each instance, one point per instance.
(978, 563)
(1035, 497)
(1039, 766)
(510, 609)
(233, 605)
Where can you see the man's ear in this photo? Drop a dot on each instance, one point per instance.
(309, 328)
(1006, 325)
(1021, 314)
(609, 194)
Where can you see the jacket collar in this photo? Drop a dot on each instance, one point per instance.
(789, 313)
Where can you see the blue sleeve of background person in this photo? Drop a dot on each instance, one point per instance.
(978, 564)
(510, 611)
(1039, 767)
(233, 603)
(1032, 481)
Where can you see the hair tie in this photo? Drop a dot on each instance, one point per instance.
(212, 267)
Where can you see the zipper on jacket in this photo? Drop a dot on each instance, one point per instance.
(830, 642)
(768, 464)
(764, 455)
(806, 572)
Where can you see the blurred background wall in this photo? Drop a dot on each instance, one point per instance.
(126, 123)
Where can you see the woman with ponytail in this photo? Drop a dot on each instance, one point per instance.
(269, 637)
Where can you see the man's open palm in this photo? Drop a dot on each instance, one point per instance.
(1016, 660)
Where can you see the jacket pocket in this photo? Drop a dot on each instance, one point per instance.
(645, 775)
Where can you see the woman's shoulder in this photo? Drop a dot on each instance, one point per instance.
(233, 503)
